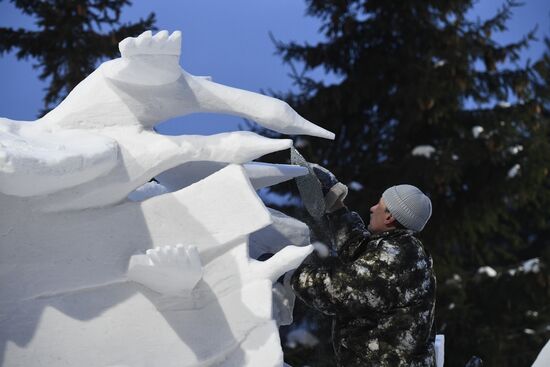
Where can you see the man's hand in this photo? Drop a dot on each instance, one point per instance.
(335, 192)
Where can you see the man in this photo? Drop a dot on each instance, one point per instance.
(380, 288)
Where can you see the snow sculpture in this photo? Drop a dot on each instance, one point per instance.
(543, 359)
(89, 277)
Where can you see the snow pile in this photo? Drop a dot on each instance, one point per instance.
(530, 266)
(423, 151)
(514, 171)
(476, 131)
(515, 149)
(440, 63)
(488, 271)
(94, 256)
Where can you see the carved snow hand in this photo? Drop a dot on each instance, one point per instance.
(167, 269)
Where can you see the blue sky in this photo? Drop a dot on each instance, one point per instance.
(228, 40)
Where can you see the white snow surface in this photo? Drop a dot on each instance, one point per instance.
(514, 171)
(515, 149)
(543, 359)
(440, 63)
(94, 257)
(477, 130)
(423, 151)
(530, 266)
(487, 270)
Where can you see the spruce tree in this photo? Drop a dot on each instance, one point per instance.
(426, 96)
(71, 38)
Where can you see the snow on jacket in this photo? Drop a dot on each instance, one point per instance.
(380, 290)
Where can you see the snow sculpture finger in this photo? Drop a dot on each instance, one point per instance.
(163, 280)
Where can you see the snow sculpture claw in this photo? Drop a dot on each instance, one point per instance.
(289, 258)
(168, 269)
(147, 44)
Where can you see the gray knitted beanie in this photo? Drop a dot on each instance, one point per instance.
(408, 205)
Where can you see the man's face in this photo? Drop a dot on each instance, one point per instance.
(380, 218)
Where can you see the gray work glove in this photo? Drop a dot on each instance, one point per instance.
(334, 191)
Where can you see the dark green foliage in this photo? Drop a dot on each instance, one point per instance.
(320, 326)
(418, 73)
(504, 320)
(69, 40)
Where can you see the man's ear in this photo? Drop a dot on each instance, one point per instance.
(389, 219)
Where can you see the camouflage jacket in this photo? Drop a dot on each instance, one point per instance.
(380, 290)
